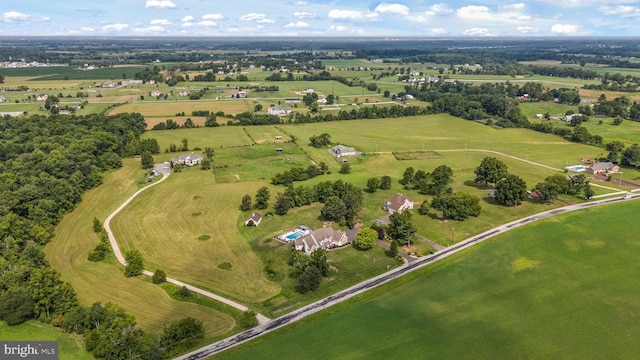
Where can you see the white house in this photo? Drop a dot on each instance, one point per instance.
(42, 97)
(155, 93)
(253, 220)
(324, 238)
(184, 93)
(398, 203)
(278, 111)
(188, 159)
(341, 150)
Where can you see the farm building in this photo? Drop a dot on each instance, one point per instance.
(188, 159)
(253, 220)
(398, 203)
(603, 168)
(278, 111)
(341, 150)
(324, 238)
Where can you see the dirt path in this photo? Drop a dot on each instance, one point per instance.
(434, 245)
(116, 250)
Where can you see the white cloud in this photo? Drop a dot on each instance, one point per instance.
(115, 27)
(439, 32)
(207, 23)
(338, 28)
(188, 24)
(512, 7)
(396, 9)
(160, 4)
(621, 10)
(473, 12)
(160, 22)
(301, 3)
(16, 17)
(187, 18)
(87, 29)
(304, 15)
(259, 18)
(527, 29)
(439, 9)
(566, 29)
(297, 25)
(212, 17)
(150, 29)
(478, 32)
(351, 14)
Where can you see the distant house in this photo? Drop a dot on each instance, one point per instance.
(538, 116)
(585, 159)
(3, 99)
(42, 97)
(188, 159)
(308, 91)
(341, 150)
(291, 101)
(253, 220)
(322, 100)
(398, 203)
(278, 111)
(324, 238)
(603, 168)
(155, 93)
(278, 137)
(408, 97)
(570, 117)
(184, 93)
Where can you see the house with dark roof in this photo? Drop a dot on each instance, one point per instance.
(603, 168)
(253, 220)
(324, 238)
(188, 159)
(398, 203)
(341, 150)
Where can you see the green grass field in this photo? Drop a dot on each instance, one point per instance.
(558, 289)
(70, 346)
(104, 281)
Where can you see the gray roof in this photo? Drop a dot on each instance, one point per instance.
(599, 166)
(340, 149)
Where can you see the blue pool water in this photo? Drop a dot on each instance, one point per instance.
(576, 168)
(295, 235)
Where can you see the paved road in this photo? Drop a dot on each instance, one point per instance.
(116, 250)
(320, 305)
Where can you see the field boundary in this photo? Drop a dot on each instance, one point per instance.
(116, 250)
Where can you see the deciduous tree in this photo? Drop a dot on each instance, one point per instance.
(511, 190)
(365, 239)
(490, 170)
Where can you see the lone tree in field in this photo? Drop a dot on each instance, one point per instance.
(490, 170)
(457, 206)
(345, 168)
(262, 198)
(373, 184)
(385, 182)
(146, 160)
(309, 280)
(365, 239)
(401, 227)
(134, 266)
(511, 190)
(246, 204)
(159, 277)
(282, 204)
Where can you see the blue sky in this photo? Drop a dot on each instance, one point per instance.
(319, 18)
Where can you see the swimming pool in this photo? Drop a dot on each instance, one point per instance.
(295, 235)
(291, 235)
(576, 168)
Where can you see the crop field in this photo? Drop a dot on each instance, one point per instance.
(169, 221)
(73, 73)
(105, 281)
(257, 162)
(169, 109)
(541, 107)
(70, 346)
(558, 289)
(223, 136)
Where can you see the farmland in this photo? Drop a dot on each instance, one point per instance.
(70, 346)
(561, 288)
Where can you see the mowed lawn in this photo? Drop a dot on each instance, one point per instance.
(166, 223)
(105, 281)
(558, 289)
(70, 346)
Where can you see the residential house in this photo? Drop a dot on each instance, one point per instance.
(278, 137)
(322, 100)
(155, 93)
(398, 203)
(3, 99)
(538, 116)
(603, 168)
(253, 220)
(278, 111)
(188, 159)
(324, 238)
(570, 117)
(184, 93)
(42, 97)
(341, 150)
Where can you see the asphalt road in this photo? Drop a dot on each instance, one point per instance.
(219, 346)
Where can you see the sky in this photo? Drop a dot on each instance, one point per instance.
(308, 18)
